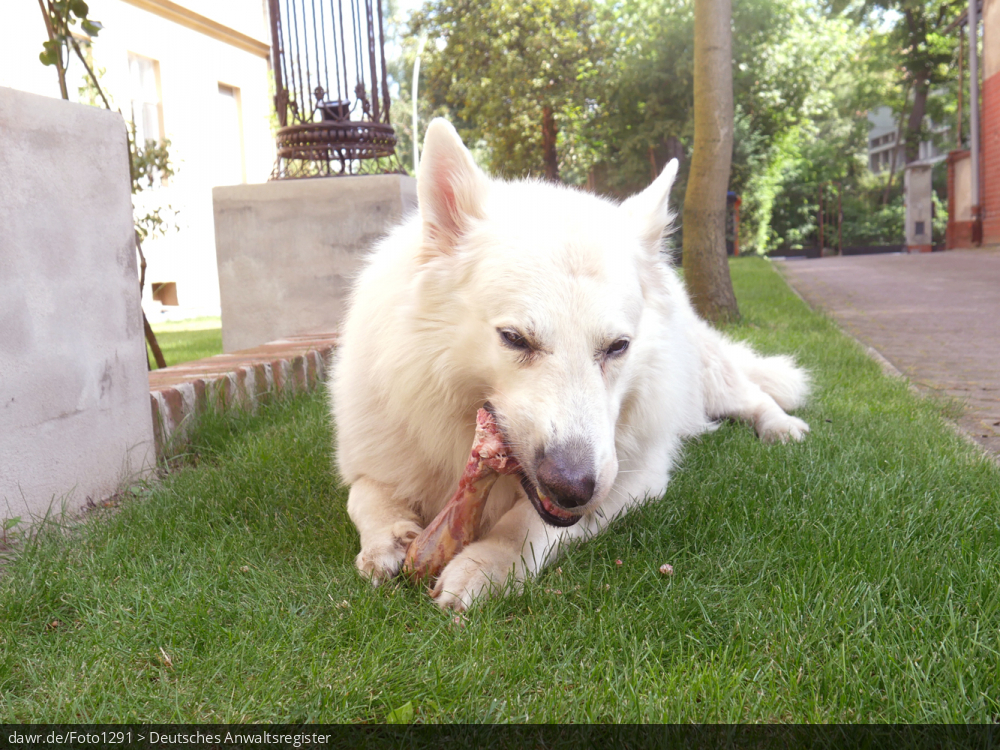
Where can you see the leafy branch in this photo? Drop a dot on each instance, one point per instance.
(60, 16)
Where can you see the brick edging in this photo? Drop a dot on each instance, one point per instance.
(178, 395)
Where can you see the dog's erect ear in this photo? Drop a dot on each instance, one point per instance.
(450, 188)
(651, 207)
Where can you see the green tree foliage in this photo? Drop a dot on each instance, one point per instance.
(619, 74)
(646, 114)
(895, 58)
(61, 18)
(919, 53)
(515, 77)
(151, 168)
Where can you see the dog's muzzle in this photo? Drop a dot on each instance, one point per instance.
(566, 474)
(564, 483)
(563, 480)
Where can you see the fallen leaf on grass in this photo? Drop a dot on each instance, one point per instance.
(401, 715)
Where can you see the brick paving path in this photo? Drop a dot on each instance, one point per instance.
(934, 316)
(179, 394)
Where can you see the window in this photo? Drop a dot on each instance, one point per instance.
(229, 167)
(165, 292)
(918, 227)
(147, 111)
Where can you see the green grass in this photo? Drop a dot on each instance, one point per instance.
(852, 577)
(188, 340)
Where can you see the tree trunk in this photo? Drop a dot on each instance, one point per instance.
(895, 148)
(154, 345)
(916, 120)
(674, 149)
(706, 269)
(549, 131)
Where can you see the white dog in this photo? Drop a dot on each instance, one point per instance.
(557, 307)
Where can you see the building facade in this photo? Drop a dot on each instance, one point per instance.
(964, 230)
(990, 124)
(883, 147)
(195, 73)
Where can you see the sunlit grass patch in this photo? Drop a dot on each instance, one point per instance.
(188, 340)
(851, 577)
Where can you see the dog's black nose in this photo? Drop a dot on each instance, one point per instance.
(566, 475)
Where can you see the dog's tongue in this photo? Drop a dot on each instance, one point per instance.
(455, 526)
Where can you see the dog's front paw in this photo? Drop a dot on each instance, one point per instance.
(479, 571)
(779, 427)
(382, 556)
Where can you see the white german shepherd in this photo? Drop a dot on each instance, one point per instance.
(557, 307)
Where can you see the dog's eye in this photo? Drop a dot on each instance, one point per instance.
(514, 339)
(618, 347)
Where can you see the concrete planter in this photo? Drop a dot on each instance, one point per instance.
(288, 250)
(74, 396)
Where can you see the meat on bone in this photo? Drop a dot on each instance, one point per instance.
(455, 526)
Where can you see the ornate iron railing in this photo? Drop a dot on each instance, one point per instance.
(331, 88)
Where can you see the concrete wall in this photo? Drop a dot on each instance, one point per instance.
(963, 188)
(288, 250)
(960, 231)
(74, 393)
(917, 187)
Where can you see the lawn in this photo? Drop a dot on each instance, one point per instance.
(187, 340)
(849, 578)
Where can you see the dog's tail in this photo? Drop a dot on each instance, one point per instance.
(779, 377)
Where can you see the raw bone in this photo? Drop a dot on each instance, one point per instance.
(455, 526)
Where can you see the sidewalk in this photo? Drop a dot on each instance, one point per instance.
(934, 316)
